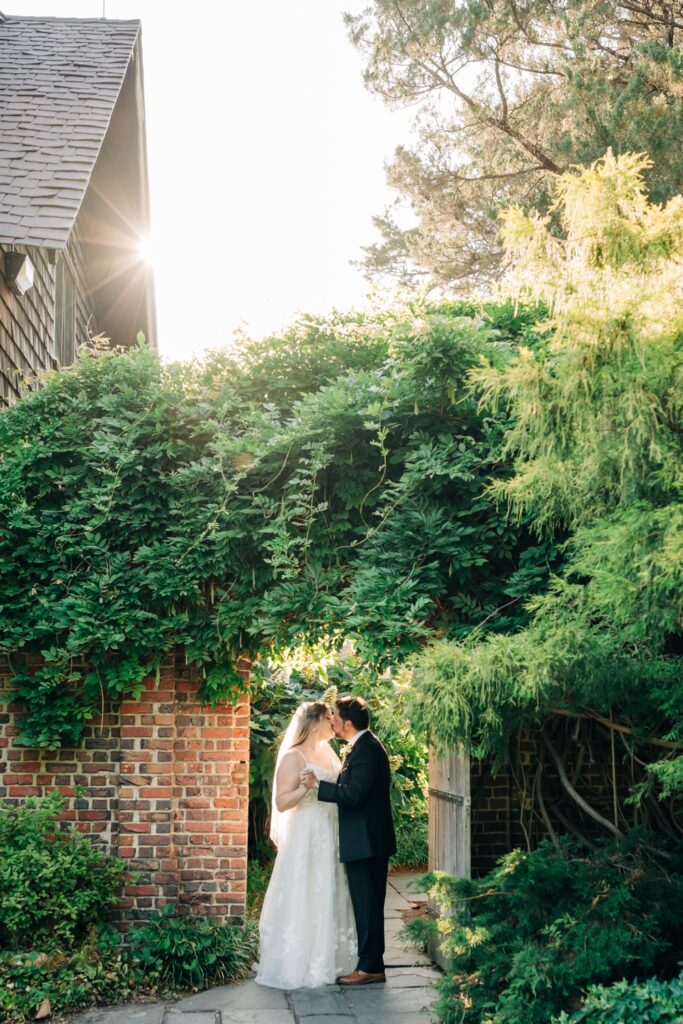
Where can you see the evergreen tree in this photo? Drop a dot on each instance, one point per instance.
(510, 94)
(596, 430)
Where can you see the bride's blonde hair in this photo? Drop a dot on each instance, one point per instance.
(306, 717)
(301, 724)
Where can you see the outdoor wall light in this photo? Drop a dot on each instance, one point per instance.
(19, 272)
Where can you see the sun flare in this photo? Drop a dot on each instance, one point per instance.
(147, 249)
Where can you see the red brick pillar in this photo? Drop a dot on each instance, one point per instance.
(211, 798)
(183, 799)
(146, 798)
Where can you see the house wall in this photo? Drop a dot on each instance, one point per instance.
(161, 782)
(76, 252)
(27, 322)
(115, 216)
(26, 327)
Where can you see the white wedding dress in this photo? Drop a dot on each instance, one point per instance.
(307, 928)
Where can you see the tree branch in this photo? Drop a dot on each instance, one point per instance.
(576, 797)
(501, 90)
(501, 175)
(670, 22)
(596, 717)
(571, 827)
(538, 789)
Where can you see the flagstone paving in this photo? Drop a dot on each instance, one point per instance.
(406, 998)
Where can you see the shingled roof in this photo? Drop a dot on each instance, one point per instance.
(59, 81)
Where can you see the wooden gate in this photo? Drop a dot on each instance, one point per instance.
(449, 820)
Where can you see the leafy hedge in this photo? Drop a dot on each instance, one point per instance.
(525, 941)
(650, 1002)
(192, 952)
(56, 944)
(169, 955)
(53, 884)
(327, 480)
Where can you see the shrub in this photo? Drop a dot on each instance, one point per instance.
(652, 1002)
(99, 972)
(170, 953)
(526, 940)
(258, 877)
(408, 756)
(53, 885)
(411, 821)
(236, 504)
(193, 952)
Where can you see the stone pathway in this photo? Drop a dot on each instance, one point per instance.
(405, 999)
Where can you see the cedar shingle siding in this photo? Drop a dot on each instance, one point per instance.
(26, 328)
(73, 186)
(27, 324)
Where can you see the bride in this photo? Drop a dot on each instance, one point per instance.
(307, 927)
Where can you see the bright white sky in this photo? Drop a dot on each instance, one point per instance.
(266, 158)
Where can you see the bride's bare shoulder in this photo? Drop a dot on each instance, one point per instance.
(292, 755)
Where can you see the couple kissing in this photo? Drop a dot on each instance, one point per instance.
(323, 914)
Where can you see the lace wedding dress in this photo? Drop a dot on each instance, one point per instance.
(307, 928)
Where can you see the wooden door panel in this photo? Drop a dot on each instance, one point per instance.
(449, 820)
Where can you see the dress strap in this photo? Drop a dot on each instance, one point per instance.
(297, 751)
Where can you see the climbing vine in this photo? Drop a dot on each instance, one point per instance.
(327, 481)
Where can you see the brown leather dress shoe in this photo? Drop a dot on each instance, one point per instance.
(360, 978)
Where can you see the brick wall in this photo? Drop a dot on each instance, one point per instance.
(162, 782)
(505, 810)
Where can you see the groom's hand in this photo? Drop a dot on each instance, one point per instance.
(308, 778)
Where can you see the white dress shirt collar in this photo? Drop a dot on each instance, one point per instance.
(354, 739)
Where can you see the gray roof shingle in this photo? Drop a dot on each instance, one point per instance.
(59, 81)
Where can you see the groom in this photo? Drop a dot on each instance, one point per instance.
(366, 831)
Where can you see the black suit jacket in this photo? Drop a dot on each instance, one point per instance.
(362, 792)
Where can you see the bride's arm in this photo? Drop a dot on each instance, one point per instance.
(288, 785)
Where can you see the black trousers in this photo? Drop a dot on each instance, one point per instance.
(368, 887)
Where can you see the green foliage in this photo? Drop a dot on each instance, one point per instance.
(510, 94)
(97, 973)
(595, 413)
(324, 481)
(53, 885)
(525, 941)
(594, 432)
(412, 834)
(168, 955)
(409, 758)
(258, 877)
(55, 891)
(651, 1002)
(193, 952)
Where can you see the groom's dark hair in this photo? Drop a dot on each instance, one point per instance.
(354, 710)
